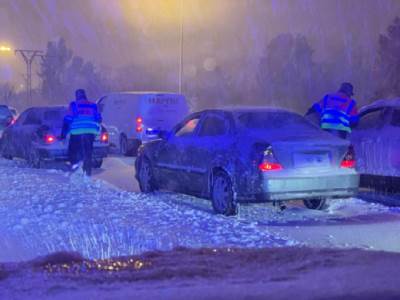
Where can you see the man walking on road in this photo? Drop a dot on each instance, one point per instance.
(337, 111)
(83, 124)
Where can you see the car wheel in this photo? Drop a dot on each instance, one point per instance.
(315, 203)
(135, 147)
(5, 152)
(222, 195)
(97, 163)
(123, 145)
(145, 177)
(33, 159)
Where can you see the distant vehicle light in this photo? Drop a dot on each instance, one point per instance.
(49, 139)
(139, 124)
(152, 131)
(104, 137)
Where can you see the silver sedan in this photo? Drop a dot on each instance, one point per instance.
(249, 155)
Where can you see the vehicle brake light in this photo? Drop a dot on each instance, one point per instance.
(139, 124)
(269, 162)
(267, 166)
(104, 137)
(49, 139)
(349, 160)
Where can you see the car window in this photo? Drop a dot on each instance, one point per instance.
(274, 120)
(213, 126)
(21, 118)
(32, 119)
(100, 104)
(188, 128)
(54, 117)
(395, 118)
(370, 120)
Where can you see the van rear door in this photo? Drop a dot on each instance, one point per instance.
(162, 111)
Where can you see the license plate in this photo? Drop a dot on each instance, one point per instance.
(304, 160)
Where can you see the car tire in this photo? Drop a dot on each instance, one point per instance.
(33, 159)
(145, 177)
(5, 153)
(135, 147)
(317, 204)
(97, 163)
(222, 194)
(123, 145)
(126, 149)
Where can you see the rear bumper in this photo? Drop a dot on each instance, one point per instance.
(309, 187)
(62, 153)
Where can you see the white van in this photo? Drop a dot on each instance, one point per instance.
(135, 117)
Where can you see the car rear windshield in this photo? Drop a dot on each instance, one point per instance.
(274, 120)
(54, 117)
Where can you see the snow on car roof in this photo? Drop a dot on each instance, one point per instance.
(242, 109)
(382, 103)
(48, 107)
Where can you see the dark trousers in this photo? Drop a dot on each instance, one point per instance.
(81, 149)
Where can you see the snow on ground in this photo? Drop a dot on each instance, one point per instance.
(42, 211)
(277, 273)
(47, 210)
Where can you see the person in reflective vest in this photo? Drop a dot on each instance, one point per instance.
(338, 111)
(82, 123)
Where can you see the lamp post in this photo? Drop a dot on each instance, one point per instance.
(29, 57)
(181, 46)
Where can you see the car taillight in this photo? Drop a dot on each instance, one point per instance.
(104, 137)
(49, 139)
(139, 124)
(349, 160)
(267, 166)
(269, 162)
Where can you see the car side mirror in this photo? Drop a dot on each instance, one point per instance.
(164, 135)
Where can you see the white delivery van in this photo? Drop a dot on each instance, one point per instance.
(135, 117)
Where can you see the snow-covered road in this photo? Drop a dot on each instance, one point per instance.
(42, 211)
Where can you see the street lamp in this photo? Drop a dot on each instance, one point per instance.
(29, 57)
(181, 46)
(5, 49)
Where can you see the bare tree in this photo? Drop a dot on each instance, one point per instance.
(7, 93)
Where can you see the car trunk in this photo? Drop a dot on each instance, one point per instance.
(311, 149)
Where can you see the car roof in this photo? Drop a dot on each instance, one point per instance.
(44, 108)
(381, 103)
(143, 93)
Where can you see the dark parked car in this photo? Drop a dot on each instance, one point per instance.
(243, 155)
(35, 137)
(7, 117)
